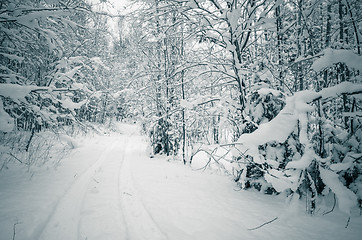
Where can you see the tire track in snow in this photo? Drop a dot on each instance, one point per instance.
(102, 203)
(101, 215)
(140, 223)
(64, 221)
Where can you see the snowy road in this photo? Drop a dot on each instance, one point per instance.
(108, 189)
(90, 208)
(102, 202)
(91, 196)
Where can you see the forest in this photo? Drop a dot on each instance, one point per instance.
(267, 92)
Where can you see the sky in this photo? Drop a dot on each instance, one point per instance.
(119, 4)
(114, 7)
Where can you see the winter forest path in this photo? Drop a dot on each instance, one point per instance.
(102, 202)
(109, 189)
(92, 196)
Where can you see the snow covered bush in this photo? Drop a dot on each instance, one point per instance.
(45, 148)
(264, 103)
(163, 135)
(51, 77)
(304, 150)
(35, 80)
(301, 147)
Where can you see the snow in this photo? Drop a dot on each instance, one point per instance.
(70, 74)
(233, 17)
(69, 104)
(186, 104)
(109, 188)
(346, 163)
(6, 122)
(16, 91)
(304, 161)
(30, 20)
(280, 128)
(346, 198)
(52, 1)
(279, 182)
(69, 140)
(12, 57)
(333, 56)
(353, 114)
(192, 4)
(344, 87)
(266, 91)
(200, 160)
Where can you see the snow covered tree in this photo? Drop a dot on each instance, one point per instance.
(289, 39)
(50, 66)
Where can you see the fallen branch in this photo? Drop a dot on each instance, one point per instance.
(29, 141)
(14, 230)
(251, 229)
(16, 158)
(349, 218)
(334, 205)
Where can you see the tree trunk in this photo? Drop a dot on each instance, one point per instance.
(279, 46)
(182, 53)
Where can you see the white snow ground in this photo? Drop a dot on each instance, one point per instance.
(110, 189)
